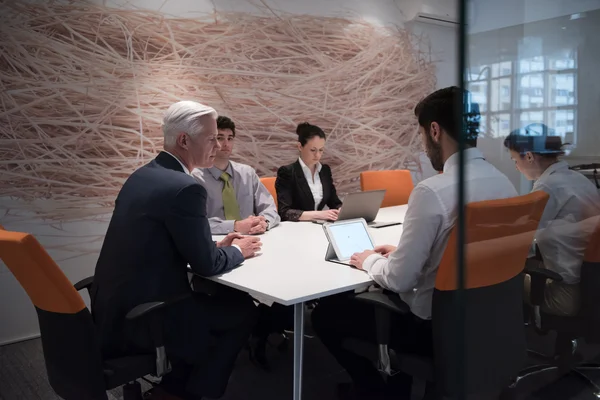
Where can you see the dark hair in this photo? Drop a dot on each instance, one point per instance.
(444, 107)
(537, 139)
(225, 123)
(307, 131)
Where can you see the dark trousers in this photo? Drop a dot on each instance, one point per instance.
(342, 317)
(203, 337)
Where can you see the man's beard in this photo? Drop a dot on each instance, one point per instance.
(434, 152)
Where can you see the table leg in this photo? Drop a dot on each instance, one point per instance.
(298, 348)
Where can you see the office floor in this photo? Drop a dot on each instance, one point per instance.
(22, 377)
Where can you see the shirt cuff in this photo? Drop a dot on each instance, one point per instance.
(370, 262)
(228, 225)
(238, 247)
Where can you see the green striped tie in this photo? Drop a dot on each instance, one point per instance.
(230, 205)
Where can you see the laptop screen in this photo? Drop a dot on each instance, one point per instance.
(350, 238)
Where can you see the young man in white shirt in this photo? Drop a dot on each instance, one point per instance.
(237, 200)
(410, 268)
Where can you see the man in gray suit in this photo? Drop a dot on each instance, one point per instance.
(237, 200)
(159, 227)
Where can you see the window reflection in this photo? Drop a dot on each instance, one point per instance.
(540, 89)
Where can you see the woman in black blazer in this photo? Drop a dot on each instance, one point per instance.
(306, 186)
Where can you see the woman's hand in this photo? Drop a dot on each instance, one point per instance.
(328, 215)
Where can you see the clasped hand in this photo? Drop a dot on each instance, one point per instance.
(252, 225)
(249, 245)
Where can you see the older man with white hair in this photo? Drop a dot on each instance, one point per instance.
(159, 227)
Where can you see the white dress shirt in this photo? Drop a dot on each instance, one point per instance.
(564, 230)
(316, 188)
(432, 210)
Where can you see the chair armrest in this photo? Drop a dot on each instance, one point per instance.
(389, 301)
(153, 313)
(386, 304)
(145, 309)
(542, 274)
(84, 284)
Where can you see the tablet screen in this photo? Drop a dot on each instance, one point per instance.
(350, 238)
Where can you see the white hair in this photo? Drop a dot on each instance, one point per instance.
(184, 116)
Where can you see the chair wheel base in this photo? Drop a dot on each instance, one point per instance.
(132, 391)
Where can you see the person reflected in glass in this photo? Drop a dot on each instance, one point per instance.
(561, 237)
(305, 187)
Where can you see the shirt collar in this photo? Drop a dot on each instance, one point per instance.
(557, 166)
(470, 154)
(216, 172)
(187, 171)
(305, 167)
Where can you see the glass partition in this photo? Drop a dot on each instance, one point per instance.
(528, 264)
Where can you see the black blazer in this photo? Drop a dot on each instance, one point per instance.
(294, 195)
(158, 226)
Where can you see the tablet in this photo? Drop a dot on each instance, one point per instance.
(348, 237)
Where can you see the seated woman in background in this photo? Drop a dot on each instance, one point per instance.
(305, 187)
(562, 236)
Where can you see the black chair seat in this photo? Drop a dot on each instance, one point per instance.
(119, 371)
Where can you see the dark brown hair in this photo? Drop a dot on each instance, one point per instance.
(224, 122)
(445, 106)
(306, 131)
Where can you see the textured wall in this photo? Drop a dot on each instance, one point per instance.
(84, 89)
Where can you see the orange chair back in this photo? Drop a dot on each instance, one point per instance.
(398, 185)
(499, 234)
(45, 284)
(270, 185)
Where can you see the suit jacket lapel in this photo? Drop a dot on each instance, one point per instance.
(326, 187)
(303, 184)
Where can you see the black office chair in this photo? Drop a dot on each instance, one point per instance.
(569, 330)
(75, 366)
(498, 238)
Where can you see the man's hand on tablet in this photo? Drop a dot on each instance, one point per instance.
(385, 250)
(358, 259)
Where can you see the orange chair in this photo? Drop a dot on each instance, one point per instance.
(75, 366)
(498, 236)
(270, 185)
(398, 185)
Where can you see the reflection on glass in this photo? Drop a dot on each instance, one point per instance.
(501, 124)
(501, 69)
(479, 91)
(531, 64)
(501, 95)
(562, 89)
(563, 122)
(531, 91)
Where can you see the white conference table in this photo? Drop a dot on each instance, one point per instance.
(292, 270)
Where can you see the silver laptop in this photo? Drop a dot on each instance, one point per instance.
(363, 205)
